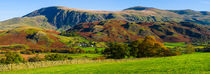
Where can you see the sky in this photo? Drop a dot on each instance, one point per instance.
(17, 8)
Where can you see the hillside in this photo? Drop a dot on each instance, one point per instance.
(125, 31)
(38, 21)
(65, 17)
(189, 64)
(200, 17)
(37, 38)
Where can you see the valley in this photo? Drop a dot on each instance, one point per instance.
(139, 39)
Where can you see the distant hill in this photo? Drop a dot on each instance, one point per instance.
(63, 18)
(33, 38)
(37, 21)
(125, 31)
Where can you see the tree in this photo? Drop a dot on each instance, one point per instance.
(189, 49)
(149, 47)
(206, 48)
(135, 47)
(117, 51)
(12, 57)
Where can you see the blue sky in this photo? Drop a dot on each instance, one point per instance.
(17, 8)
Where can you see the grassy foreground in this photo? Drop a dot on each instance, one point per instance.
(192, 63)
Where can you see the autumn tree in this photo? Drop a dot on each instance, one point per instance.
(149, 47)
(117, 51)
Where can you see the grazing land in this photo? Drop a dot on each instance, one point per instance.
(190, 63)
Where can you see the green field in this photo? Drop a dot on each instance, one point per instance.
(172, 45)
(197, 63)
(83, 55)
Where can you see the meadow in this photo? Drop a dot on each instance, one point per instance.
(197, 63)
(172, 45)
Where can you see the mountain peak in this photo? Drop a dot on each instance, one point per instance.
(140, 8)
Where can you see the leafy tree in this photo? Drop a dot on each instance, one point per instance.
(189, 49)
(149, 47)
(117, 51)
(135, 47)
(206, 48)
(12, 57)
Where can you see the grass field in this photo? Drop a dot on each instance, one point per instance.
(90, 48)
(172, 45)
(77, 56)
(197, 63)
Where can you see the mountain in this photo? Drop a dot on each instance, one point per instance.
(126, 31)
(63, 16)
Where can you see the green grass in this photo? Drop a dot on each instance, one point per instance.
(197, 63)
(79, 56)
(172, 45)
(90, 48)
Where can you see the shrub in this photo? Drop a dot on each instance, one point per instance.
(71, 34)
(99, 58)
(35, 59)
(12, 57)
(56, 57)
(97, 51)
(14, 47)
(189, 49)
(117, 51)
(27, 52)
(206, 48)
(176, 51)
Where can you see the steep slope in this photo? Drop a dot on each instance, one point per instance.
(63, 17)
(125, 31)
(38, 21)
(200, 17)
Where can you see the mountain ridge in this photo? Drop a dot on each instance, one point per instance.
(61, 16)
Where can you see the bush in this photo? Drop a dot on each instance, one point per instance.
(97, 51)
(117, 51)
(56, 57)
(35, 59)
(56, 50)
(11, 58)
(27, 52)
(206, 48)
(189, 49)
(99, 58)
(176, 51)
